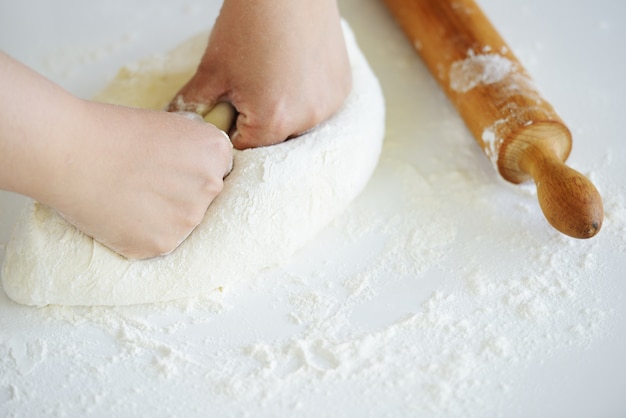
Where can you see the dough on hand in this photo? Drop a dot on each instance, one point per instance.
(274, 201)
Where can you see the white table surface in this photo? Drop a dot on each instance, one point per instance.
(281, 344)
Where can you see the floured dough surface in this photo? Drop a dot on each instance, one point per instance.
(274, 201)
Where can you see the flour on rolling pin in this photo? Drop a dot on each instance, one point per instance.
(486, 69)
(479, 69)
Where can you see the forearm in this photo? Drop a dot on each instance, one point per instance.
(272, 13)
(35, 116)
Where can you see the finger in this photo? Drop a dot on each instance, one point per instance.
(228, 153)
(251, 134)
(199, 96)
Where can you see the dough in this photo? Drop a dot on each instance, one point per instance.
(274, 201)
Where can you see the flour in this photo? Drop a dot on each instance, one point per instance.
(492, 144)
(476, 70)
(512, 319)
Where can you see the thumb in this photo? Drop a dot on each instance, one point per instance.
(198, 96)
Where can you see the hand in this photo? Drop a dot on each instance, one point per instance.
(140, 181)
(282, 64)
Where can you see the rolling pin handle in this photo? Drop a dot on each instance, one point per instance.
(569, 201)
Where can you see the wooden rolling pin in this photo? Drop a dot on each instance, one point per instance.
(517, 129)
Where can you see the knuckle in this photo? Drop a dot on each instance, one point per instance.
(211, 187)
(223, 147)
(164, 247)
(270, 126)
(191, 216)
(159, 243)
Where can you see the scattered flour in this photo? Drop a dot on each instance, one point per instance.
(457, 350)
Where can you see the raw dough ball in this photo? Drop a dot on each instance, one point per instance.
(275, 200)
